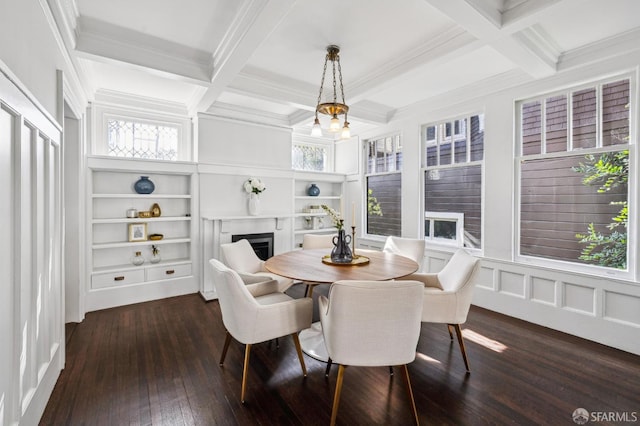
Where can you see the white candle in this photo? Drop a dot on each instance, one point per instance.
(341, 212)
(353, 214)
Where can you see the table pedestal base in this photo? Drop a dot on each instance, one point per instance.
(312, 342)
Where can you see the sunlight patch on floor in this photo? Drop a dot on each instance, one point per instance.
(491, 344)
(427, 358)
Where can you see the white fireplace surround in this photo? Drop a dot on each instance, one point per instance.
(218, 230)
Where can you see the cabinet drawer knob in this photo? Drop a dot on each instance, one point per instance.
(170, 271)
(120, 278)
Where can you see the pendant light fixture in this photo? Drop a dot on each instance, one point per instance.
(335, 108)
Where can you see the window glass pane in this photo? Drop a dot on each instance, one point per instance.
(384, 204)
(556, 123)
(531, 128)
(430, 133)
(391, 159)
(460, 144)
(444, 229)
(432, 155)
(427, 228)
(584, 118)
(477, 137)
(380, 156)
(309, 157)
(615, 113)
(569, 203)
(398, 146)
(371, 157)
(445, 153)
(457, 190)
(141, 140)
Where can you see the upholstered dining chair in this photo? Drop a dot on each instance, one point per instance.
(240, 257)
(310, 242)
(257, 313)
(448, 293)
(413, 248)
(369, 324)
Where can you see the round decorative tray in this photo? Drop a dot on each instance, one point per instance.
(155, 237)
(356, 261)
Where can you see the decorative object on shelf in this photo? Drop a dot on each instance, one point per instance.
(132, 213)
(155, 210)
(313, 209)
(308, 222)
(144, 214)
(313, 190)
(341, 253)
(156, 237)
(155, 255)
(335, 216)
(254, 186)
(137, 259)
(137, 232)
(144, 185)
(254, 204)
(332, 107)
(318, 223)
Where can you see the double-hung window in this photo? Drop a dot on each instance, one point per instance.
(383, 176)
(453, 153)
(573, 174)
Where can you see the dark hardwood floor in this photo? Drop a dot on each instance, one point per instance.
(156, 363)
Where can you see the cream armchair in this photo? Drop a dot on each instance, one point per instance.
(407, 247)
(257, 313)
(448, 293)
(240, 257)
(369, 324)
(310, 242)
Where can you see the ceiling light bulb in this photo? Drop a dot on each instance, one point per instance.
(334, 127)
(316, 130)
(346, 133)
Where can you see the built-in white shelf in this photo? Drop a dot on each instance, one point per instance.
(138, 196)
(143, 219)
(319, 197)
(147, 264)
(141, 243)
(315, 231)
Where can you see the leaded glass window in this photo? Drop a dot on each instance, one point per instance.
(142, 140)
(309, 157)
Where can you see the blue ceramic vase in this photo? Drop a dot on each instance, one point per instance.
(313, 190)
(144, 185)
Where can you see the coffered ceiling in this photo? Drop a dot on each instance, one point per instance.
(262, 59)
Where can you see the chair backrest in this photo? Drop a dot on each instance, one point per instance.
(311, 241)
(241, 257)
(458, 271)
(237, 305)
(373, 323)
(412, 248)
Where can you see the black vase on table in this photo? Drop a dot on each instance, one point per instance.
(341, 252)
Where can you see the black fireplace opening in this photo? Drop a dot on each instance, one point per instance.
(262, 243)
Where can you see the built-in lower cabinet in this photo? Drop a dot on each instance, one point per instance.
(142, 245)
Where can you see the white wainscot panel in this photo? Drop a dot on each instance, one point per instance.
(623, 308)
(579, 298)
(512, 283)
(485, 279)
(543, 290)
(435, 264)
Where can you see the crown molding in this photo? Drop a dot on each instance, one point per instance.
(140, 103)
(536, 39)
(595, 52)
(235, 112)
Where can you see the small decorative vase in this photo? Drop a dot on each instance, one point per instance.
(341, 252)
(155, 210)
(313, 190)
(137, 259)
(254, 204)
(144, 185)
(155, 255)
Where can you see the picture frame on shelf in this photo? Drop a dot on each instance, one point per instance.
(137, 232)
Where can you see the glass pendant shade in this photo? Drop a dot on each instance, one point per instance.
(346, 132)
(316, 130)
(334, 126)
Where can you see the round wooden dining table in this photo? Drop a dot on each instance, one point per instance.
(307, 266)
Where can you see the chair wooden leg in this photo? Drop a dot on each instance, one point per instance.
(310, 290)
(462, 348)
(296, 341)
(326, 371)
(245, 370)
(227, 340)
(336, 396)
(390, 370)
(449, 327)
(410, 391)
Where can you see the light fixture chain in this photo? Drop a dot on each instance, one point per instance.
(324, 71)
(341, 87)
(335, 94)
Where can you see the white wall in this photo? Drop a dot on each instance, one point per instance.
(603, 309)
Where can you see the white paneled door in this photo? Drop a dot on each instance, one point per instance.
(31, 310)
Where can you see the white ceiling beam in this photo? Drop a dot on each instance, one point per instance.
(104, 42)
(255, 21)
(478, 19)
